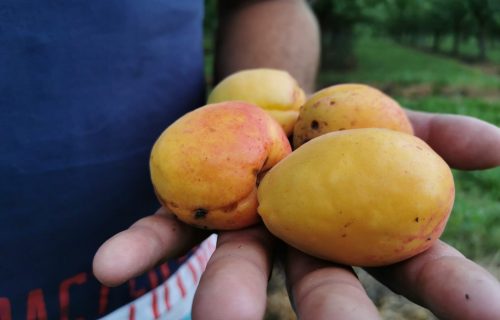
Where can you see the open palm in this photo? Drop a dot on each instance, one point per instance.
(236, 276)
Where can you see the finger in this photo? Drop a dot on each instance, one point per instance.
(463, 142)
(447, 283)
(236, 277)
(322, 290)
(142, 246)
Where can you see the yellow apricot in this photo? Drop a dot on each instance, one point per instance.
(273, 90)
(363, 197)
(348, 106)
(205, 166)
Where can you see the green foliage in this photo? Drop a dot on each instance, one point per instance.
(210, 21)
(209, 27)
(408, 22)
(338, 20)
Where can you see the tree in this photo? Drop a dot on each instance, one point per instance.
(405, 20)
(458, 14)
(338, 20)
(483, 17)
(437, 17)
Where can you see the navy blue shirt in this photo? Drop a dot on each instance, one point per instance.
(86, 87)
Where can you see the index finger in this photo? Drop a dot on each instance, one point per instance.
(142, 246)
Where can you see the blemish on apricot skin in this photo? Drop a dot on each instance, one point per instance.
(200, 213)
(314, 125)
(332, 102)
(416, 219)
(230, 207)
(344, 235)
(467, 297)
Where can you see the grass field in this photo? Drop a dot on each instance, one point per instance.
(423, 81)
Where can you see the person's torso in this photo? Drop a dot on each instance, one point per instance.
(85, 89)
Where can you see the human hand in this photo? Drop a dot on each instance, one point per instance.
(236, 276)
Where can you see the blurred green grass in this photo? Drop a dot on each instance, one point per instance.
(474, 226)
(443, 85)
(382, 61)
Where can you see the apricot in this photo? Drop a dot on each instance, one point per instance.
(362, 197)
(348, 106)
(273, 90)
(206, 165)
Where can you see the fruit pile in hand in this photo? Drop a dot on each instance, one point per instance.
(359, 188)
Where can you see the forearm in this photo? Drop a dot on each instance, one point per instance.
(279, 34)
